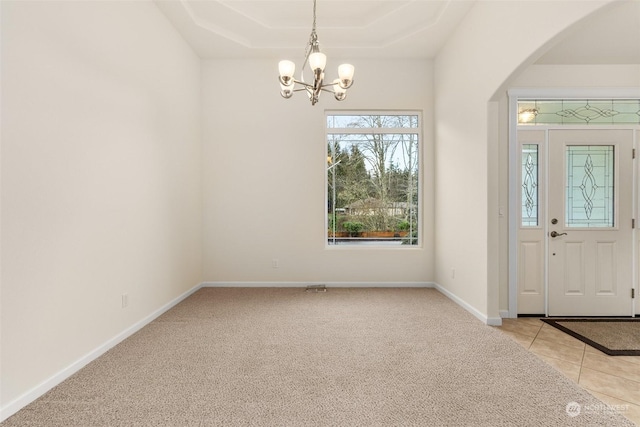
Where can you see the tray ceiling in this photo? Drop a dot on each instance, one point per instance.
(377, 29)
(354, 28)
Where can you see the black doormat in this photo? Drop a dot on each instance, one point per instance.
(615, 337)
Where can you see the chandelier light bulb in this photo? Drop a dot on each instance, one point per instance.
(286, 68)
(339, 92)
(286, 91)
(345, 71)
(317, 60)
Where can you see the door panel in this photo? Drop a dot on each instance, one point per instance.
(606, 268)
(531, 270)
(574, 283)
(590, 197)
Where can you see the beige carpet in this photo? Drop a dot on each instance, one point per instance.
(347, 357)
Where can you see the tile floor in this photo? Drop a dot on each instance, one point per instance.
(613, 379)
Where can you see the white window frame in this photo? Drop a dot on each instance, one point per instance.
(418, 130)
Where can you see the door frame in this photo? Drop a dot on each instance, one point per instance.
(514, 183)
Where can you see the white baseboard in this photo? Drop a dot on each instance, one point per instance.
(327, 284)
(504, 314)
(14, 406)
(491, 321)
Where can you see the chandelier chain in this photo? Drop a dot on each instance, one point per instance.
(314, 16)
(313, 38)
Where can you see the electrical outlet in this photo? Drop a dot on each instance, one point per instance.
(125, 300)
(275, 263)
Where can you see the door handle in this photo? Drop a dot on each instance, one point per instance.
(556, 234)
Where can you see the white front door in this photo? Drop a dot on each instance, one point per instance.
(589, 229)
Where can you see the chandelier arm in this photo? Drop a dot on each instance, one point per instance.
(332, 84)
(306, 85)
(307, 52)
(326, 90)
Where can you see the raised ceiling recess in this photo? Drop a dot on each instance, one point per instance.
(349, 28)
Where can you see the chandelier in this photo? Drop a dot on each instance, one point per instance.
(317, 61)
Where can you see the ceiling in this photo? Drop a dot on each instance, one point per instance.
(610, 37)
(376, 29)
(346, 28)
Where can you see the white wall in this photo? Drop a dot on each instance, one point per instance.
(264, 159)
(104, 181)
(101, 179)
(578, 76)
(495, 40)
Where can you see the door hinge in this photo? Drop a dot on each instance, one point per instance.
(633, 153)
(633, 293)
(633, 223)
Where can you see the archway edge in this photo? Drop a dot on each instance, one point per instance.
(495, 42)
(553, 39)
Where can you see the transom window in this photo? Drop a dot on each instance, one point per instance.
(372, 190)
(578, 111)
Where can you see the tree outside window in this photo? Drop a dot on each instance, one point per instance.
(372, 179)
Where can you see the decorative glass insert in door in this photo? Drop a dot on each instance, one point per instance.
(529, 195)
(578, 111)
(589, 192)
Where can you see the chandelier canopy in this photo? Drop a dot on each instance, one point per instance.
(317, 61)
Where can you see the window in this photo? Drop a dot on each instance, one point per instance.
(372, 195)
(578, 111)
(529, 187)
(589, 188)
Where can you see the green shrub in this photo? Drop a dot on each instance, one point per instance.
(353, 227)
(403, 225)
